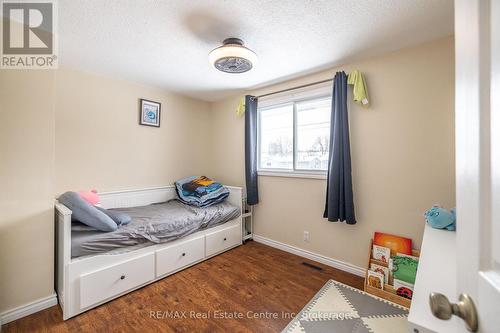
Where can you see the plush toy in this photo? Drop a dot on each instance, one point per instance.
(440, 218)
(90, 196)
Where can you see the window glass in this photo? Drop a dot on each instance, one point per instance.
(276, 137)
(295, 137)
(313, 134)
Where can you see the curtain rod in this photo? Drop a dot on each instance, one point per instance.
(293, 88)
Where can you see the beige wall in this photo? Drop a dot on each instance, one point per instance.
(69, 130)
(27, 181)
(402, 155)
(100, 144)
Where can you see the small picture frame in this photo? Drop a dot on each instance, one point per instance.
(149, 113)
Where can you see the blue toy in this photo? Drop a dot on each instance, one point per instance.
(440, 218)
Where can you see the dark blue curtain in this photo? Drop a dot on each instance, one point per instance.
(339, 204)
(251, 149)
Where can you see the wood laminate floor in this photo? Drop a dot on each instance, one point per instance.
(252, 288)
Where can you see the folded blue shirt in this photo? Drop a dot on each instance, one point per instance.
(200, 196)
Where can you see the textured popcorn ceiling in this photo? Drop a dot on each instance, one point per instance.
(166, 43)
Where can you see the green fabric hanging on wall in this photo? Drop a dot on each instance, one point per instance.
(359, 90)
(240, 110)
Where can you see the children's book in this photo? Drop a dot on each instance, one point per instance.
(381, 269)
(391, 269)
(403, 289)
(406, 255)
(395, 243)
(404, 268)
(381, 253)
(375, 279)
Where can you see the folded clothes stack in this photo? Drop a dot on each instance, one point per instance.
(200, 191)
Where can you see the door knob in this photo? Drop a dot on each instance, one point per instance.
(442, 308)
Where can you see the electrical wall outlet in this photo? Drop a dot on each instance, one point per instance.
(306, 236)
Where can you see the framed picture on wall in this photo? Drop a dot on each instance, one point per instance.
(149, 113)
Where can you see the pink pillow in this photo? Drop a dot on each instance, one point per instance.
(90, 196)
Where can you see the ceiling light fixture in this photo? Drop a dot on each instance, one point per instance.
(232, 57)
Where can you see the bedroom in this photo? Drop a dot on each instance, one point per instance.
(132, 99)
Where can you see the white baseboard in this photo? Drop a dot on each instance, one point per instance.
(356, 270)
(27, 309)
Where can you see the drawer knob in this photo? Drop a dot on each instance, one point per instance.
(122, 277)
(225, 238)
(184, 254)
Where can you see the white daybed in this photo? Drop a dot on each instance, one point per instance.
(85, 282)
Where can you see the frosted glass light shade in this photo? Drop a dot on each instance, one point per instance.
(232, 57)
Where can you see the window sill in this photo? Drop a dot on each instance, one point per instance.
(292, 174)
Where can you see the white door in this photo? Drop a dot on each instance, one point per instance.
(477, 40)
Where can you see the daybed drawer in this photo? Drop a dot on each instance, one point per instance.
(223, 239)
(179, 255)
(111, 281)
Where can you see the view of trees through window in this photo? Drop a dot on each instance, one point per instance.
(276, 138)
(312, 131)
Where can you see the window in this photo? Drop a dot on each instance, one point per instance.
(294, 136)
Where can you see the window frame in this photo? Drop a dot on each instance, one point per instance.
(294, 172)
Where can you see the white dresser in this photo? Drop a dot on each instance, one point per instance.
(436, 273)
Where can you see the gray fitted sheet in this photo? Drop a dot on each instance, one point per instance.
(152, 224)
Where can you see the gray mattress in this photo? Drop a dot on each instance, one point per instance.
(152, 224)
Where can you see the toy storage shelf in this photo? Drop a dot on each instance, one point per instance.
(388, 293)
